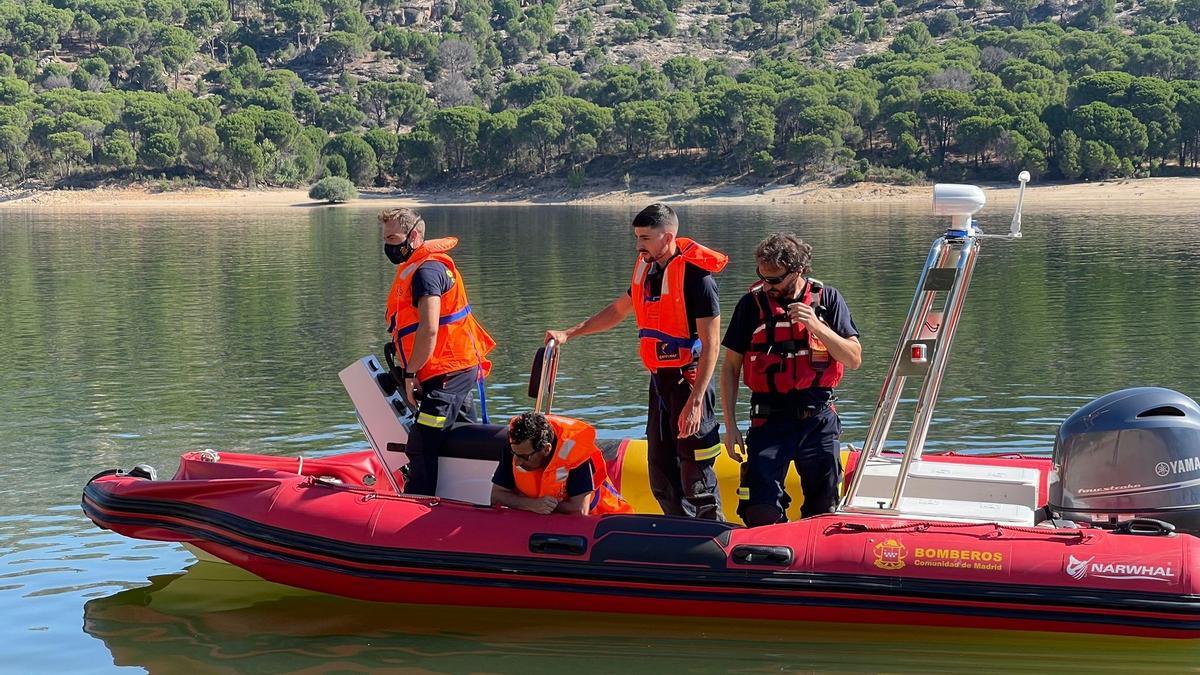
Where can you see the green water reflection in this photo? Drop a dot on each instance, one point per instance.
(217, 618)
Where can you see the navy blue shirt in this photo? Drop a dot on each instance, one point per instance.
(579, 479)
(431, 278)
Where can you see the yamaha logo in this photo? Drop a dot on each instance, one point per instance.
(1177, 466)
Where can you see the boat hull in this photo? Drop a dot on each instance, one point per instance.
(308, 532)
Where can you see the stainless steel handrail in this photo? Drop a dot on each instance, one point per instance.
(961, 241)
(893, 383)
(927, 396)
(545, 392)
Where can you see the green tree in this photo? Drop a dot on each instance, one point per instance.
(941, 110)
(686, 73)
(339, 48)
(246, 158)
(769, 13)
(201, 146)
(307, 105)
(643, 124)
(1069, 160)
(1189, 13)
(176, 47)
(359, 156)
(341, 114)
(117, 151)
(1159, 10)
(1099, 159)
(498, 140)
(976, 135)
(810, 150)
(385, 144)
(1117, 128)
(160, 151)
(540, 125)
(419, 155)
(1018, 10)
(912, 39)
(69, 147)
(458, 130)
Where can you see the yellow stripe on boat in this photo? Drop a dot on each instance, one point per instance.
(635, 483)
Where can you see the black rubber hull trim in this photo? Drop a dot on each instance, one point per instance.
(685, 582)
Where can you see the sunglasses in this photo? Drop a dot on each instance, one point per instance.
(774, 281)
(524, 457)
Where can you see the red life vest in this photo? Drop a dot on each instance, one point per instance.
(461, 342)
(664, 334)
(576, 444)
(780, 359)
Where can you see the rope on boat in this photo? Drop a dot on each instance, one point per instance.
(925, 526)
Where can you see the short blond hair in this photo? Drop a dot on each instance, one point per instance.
(405, 220)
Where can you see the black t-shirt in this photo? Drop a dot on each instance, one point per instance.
(746, 318)
(431, 278)
(700, 294)
(579, 479)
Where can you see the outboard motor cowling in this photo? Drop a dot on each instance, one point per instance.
(1134, 453)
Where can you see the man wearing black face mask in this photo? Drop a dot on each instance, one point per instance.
(796, 338)
(439, 345)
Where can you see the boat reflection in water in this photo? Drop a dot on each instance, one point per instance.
(218, 618)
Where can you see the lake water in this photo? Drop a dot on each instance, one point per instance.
(128, 339)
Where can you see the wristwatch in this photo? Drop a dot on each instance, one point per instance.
(407, 375)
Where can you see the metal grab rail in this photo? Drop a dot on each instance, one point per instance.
(948, 268)
(893, 381)
(927, 397)
(546, 377)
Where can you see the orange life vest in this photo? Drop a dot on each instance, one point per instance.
(782, 358)
(664, 334)
(576, 444)
(461, 342)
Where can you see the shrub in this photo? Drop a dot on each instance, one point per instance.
(333, 189)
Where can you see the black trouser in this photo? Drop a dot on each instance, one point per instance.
(448, 400)
(811, 444)
(681, 469)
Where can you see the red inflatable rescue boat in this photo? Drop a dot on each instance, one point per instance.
(1100, 538)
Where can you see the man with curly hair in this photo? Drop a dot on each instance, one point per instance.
(794, 338)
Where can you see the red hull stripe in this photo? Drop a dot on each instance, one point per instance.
(1068, 608)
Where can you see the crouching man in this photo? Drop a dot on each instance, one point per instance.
(552, 465)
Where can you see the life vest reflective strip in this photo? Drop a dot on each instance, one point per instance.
(779, 359)
(576, 444)
(665, 337)
(461, 342)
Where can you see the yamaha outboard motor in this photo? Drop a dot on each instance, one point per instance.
(1134, 453)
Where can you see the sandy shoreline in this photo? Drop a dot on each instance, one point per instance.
(1160, 195)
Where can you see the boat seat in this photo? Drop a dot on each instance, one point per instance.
(968, 511)
(955, 491)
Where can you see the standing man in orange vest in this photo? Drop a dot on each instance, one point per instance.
(441, 348)
(674, 297)
(796, 338)
(552, 465)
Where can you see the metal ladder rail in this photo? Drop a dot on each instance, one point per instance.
(931, 386)
(893, 383)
